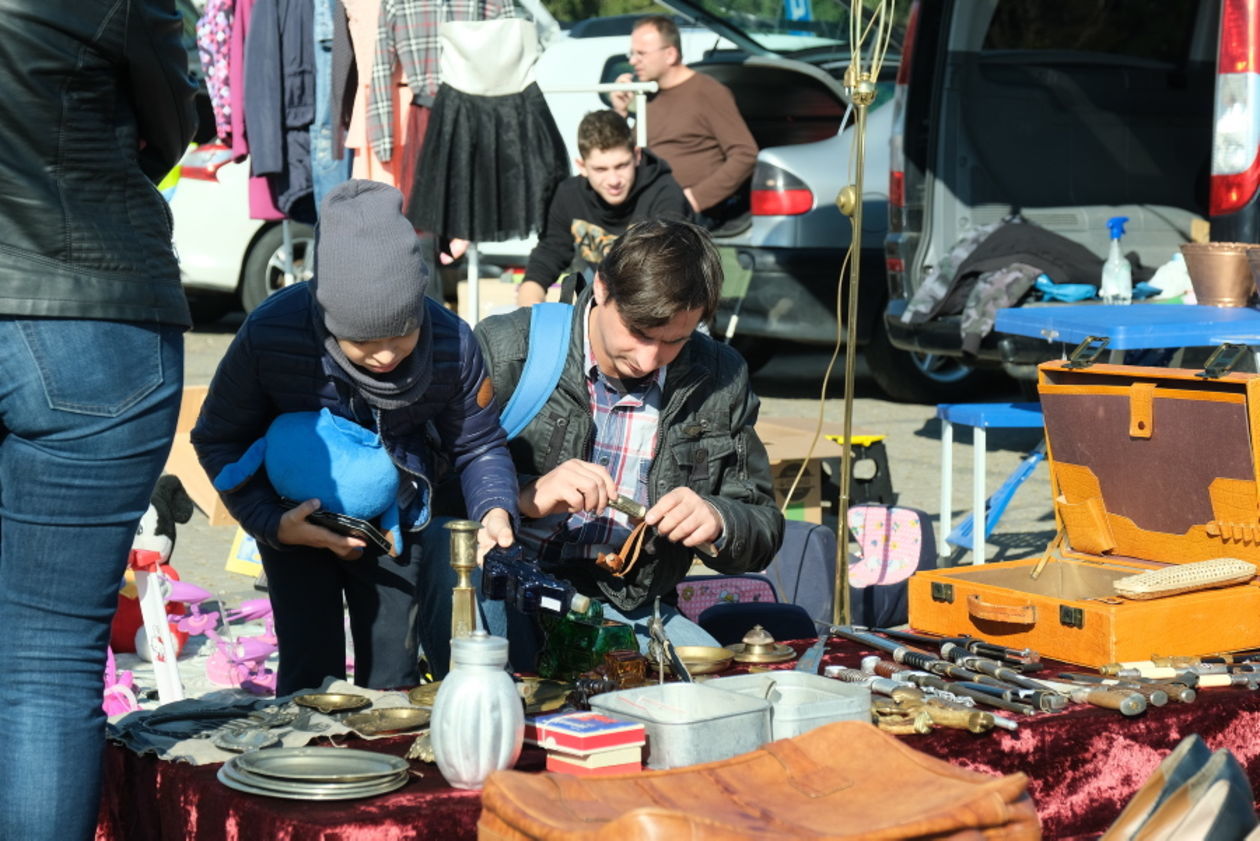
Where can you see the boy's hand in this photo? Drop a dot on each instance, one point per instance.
(296, 530)
(496, 530)
(683, 516)
(574, 486)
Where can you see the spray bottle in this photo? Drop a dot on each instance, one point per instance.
(1117, 274)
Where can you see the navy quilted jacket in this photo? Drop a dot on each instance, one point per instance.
(277, 364)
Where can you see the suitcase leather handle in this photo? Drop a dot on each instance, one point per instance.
(1021, 614)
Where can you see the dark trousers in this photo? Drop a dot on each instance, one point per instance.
(307, 587)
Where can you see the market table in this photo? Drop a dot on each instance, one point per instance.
(1083, 764)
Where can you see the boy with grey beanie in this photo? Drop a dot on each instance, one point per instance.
(361, 340)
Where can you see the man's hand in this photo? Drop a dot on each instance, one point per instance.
(574, 486)
(529, 293)
(496, 530)
(691, 199)
(682, 516)
(296, 530)
(621, 99)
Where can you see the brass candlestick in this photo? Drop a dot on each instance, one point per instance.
(463, 561)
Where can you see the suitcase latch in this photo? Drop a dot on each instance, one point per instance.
(1222, 360)
(1071, 617)
(942, 591)
(1087, 351)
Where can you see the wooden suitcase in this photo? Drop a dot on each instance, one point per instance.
(1149, 467)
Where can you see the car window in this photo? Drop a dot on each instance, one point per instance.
(1135, 28)
(790, 26)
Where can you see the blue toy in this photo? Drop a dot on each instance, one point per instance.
(319, 455)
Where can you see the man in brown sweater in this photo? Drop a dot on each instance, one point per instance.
(692, 121)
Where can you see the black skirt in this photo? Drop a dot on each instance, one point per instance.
(488, 167)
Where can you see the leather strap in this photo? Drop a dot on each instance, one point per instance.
(621, 563)
(1024, 614)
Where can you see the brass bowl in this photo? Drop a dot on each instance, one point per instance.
(388, 720)
(700, 659)
(425, 694)
(333, 702)
(1220, 272)
(704, 659)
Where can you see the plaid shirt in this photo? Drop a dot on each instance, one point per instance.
(626, 425)
(408, 33)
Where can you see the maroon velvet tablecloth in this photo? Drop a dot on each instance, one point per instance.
(1083, 765)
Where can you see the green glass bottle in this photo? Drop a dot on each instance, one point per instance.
(577, 642)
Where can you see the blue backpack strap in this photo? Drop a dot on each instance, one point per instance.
(549, 329)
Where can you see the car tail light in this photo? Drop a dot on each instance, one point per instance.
(1236, 134)
(203, 163)
(897, 147)
(777, 192)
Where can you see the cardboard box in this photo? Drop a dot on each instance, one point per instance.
(787, 442)
(183, 460)
(495, 296)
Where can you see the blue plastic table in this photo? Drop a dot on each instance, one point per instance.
(981, 417)
(1134, 327)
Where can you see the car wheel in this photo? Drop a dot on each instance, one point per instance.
(264, 270)
(910, 377)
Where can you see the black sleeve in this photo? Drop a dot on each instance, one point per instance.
(554, 251)
(161, 89)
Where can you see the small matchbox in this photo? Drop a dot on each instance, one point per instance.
(582, 732)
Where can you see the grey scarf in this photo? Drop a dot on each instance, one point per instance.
(400, 387)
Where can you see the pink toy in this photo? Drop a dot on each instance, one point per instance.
(240, 662)
(120, 688)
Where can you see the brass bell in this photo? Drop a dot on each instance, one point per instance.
(758, 646)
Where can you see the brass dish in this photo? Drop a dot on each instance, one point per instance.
(388, 720)
(333, 702)
(425, 694)
(702, 659)
(775, 653)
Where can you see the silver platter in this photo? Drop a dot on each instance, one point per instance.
(320, 764)
(233, 778)
(239, 741)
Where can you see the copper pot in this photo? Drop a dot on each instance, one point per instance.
(1220, 272)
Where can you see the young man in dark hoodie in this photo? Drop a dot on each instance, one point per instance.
(619, 185)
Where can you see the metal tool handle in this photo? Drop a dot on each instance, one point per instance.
(1125, 701)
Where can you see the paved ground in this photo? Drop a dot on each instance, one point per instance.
(789, 387)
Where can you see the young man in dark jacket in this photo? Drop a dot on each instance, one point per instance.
(619, 185)
(97, 108)
(361, 340)
(645, 407)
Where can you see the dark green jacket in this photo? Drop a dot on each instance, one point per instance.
(706, 442)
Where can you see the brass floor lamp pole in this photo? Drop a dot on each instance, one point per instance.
(859, 84)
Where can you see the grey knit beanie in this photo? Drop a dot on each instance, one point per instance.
(370, 278)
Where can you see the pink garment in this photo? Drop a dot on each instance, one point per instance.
(363, 17)
(261, 205)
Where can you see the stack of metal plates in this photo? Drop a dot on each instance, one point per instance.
(314, 773)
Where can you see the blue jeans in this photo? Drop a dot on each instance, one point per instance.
(326, 171)
(87, 414)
